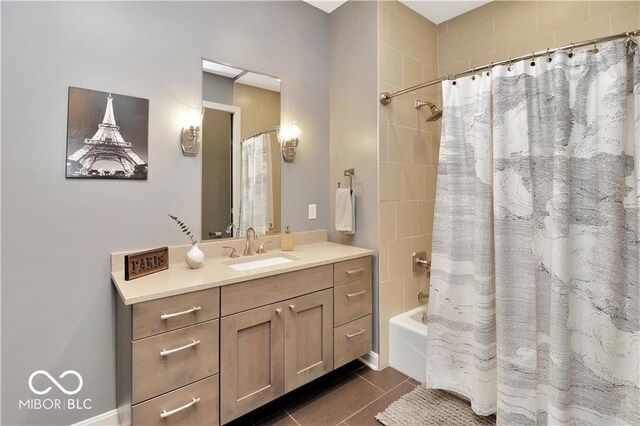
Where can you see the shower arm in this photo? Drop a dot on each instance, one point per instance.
(386, 97)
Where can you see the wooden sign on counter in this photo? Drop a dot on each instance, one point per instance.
(147, 262)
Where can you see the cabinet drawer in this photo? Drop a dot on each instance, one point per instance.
(351, 270)
(264, 291)
(167, 361)
(351, 341)
(171, 313)
(352, 301)
(195, 404)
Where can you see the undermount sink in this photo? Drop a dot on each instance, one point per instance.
(248, 264)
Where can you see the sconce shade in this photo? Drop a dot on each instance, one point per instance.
(190, 138)
(289, 137)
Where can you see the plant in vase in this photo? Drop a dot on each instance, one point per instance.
(195, 256)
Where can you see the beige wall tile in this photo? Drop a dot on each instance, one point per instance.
(400, 140)
(497, 5)
(477, 37)
(430, 182)
(412, 71)
(448, 49)
(399, 257)
(406, 113)
(383, 260)
(425, 216)
(597, 27)
(383, 141)
(625, 19)
(555, 15)
(465, 19)
(414, 183)
(598, 8)
(515, 24)
(390, 66)
(387, 219)
(488, 57)
(383, 359)
(443, 28)
(391, 298)
(538, 43)
(398, 32)
(407, 219)
(412, 285)
(435, 146)
(421, 150)
(454, 68)
(391, 181)
(423, 45)
(422, 242)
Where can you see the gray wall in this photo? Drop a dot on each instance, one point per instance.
(216, 88)
(57, 234)
(354, 115)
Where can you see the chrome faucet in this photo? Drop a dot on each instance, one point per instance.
(230, 228)
(247, 247)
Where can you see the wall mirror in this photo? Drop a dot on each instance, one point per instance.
(240, 151)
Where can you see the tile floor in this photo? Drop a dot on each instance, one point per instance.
(350, 396)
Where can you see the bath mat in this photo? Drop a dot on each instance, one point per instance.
(424, 406)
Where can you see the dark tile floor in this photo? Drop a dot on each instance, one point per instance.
(351, 395)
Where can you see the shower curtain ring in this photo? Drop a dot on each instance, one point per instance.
(595, 45)
(509, 67)
(453, 83)
(573, 45)
(548, 55)
(533, 59)
(490, 69)
(473, 73)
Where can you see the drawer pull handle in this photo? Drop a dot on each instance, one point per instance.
(279, 312)
(166, 352)
(166, 413)
(349, 336)
(356, 271)
(177, 314)
(357, 293)
(292, 308)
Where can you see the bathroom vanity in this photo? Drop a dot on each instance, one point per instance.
(206, 346)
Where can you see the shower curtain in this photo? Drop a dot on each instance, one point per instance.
(535, 288)
(256, 197)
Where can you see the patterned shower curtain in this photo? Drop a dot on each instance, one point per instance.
(256, 197)
(535, 292)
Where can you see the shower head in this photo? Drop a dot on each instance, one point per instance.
(436, 113)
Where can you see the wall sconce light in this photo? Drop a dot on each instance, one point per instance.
(289, 136)
(190, 140)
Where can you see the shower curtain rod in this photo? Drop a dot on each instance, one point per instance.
(258, 134)
(385, 97)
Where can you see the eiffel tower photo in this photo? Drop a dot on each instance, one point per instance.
(106, 154)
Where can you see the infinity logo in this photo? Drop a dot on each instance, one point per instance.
(55, 382)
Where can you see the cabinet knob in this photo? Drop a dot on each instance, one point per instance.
(292, 307)
(279, 312)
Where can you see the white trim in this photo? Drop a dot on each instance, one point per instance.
(371, 360)
(236, 117)
(110, 418)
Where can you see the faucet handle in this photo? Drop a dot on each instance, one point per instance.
(234, 251)
(261, 248)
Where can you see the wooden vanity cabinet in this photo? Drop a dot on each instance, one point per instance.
(211, 356)
(268, 351)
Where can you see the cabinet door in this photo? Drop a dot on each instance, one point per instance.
(252, 360)
(308, 338)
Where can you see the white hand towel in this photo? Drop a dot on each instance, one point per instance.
(345, 211)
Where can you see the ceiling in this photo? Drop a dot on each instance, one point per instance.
(241, 76)
(437, 11)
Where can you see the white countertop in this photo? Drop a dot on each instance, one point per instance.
(216, 272)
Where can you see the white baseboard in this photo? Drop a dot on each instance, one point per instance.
(110, 418)
(371, 360)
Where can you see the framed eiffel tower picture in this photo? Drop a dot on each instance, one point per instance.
(107, 135)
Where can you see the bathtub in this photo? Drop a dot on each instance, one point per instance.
(408, 343)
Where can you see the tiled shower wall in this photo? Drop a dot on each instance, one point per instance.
(503, 29)
(408, 155)
(413, 50)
